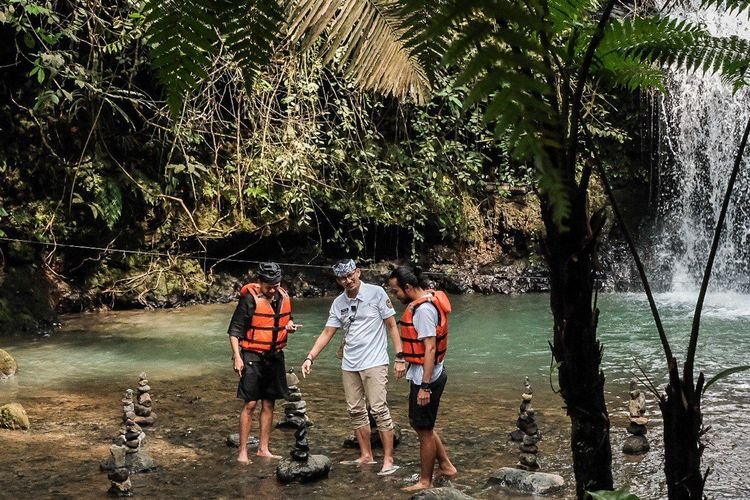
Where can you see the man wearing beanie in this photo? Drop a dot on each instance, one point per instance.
(258, 333)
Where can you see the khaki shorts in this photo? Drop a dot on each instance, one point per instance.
(367, 388)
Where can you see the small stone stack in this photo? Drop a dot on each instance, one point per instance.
(295, 409)
(528, 432)
(636, 443)
(303, 467)
(119, 476)
(143, 411)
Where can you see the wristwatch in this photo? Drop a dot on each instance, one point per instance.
(400, 355)
(425, 386)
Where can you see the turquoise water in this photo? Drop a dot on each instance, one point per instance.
(495, 342)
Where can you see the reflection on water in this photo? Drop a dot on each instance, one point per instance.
(495, 341)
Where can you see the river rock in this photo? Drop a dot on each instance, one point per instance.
(635, 445)
(536, 483)
(294, 396)
(443, 493)
(8, 365)
(639, 420)
(516, 435)
(234, 440)
(316, 467)
(13, 416)
(120, 489)
(121, 474)
(134, 462)
(638, 430)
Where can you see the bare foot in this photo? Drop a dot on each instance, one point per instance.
(448, 472)
(418, 486)
(242, 459)
(268, 454)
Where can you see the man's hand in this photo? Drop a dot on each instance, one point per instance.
(423, 397)
(399, 369)
(292, 327)
(306, 368)
(238, 364)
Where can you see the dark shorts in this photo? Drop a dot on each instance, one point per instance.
(423, 417)
(264, 377)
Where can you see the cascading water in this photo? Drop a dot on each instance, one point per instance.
(704, 121)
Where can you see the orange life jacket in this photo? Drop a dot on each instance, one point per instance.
(267, 331)
(413, 347)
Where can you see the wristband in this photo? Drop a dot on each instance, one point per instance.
(310, 358)
(400, 361)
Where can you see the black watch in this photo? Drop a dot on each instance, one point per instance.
(425, 386)
(400, 355)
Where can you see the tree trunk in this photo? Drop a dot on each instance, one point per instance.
(570, 256)
(683, 426)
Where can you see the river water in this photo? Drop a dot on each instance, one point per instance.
(71, 384)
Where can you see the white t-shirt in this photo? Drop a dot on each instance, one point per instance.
(362, 319)
(425, 323)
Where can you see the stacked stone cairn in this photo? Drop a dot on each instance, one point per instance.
(119, 476)
(295, 409)
(144, 415)
(527, 433)
(127, 455)
(302, 467)
(636, 443)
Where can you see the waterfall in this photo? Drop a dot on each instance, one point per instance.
(703, 121)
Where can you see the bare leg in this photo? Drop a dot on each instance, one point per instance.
(427, 455)
(386, 438)
(246, 422)
(445, 466)
(365, 448)
(266, 420)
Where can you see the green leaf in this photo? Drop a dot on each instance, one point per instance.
(724, 374)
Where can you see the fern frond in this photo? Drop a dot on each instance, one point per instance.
(369, 40)
(667, 41)
(731, 7)
(251, 30)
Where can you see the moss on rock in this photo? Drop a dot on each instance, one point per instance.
(8, 365)
(13, 416)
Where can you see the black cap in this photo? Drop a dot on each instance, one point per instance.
(269, 272)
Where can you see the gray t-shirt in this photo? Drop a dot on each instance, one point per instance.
(362, 320)
(425, 323)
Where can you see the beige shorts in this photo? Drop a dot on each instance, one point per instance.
(367, 388)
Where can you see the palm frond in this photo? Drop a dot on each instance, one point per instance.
(732, 7)
(370, 40)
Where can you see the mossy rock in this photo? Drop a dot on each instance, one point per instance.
(8, 365)
(13, 416)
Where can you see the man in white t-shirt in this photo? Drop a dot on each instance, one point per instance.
(366, 315)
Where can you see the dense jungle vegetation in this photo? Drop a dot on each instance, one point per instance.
(304, 163)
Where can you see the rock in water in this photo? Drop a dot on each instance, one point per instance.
(13, 416)
(234, 440)
(440, 494)
(316, 467)
(635, 445)
(537, 483)
(8, 365)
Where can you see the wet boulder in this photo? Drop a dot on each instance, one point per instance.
(13, 416)
(444, 493)
(635, 445)
(234, 440)
(8, 365)
(314, 468)
(521, 481)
